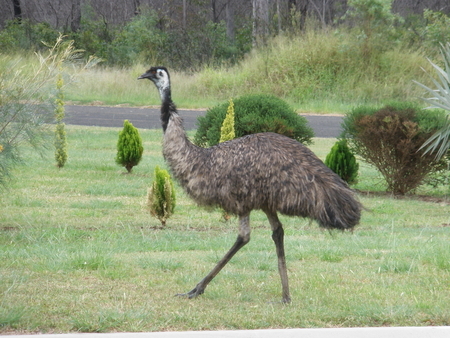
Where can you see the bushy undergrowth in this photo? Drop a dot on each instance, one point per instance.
(390, 138)
(254, 114)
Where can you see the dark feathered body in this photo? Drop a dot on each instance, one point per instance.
(263, 171)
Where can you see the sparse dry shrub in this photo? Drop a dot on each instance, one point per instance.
(390, 139)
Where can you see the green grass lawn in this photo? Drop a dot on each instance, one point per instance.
(79, 252)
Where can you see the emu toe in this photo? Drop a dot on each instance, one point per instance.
(197, 291)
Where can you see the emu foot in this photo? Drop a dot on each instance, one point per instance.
(197, 291)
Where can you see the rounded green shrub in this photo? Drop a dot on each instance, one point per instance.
(129, 146)
(342, 161)
(254, 114)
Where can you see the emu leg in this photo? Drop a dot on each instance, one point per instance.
(278, 238)
(242, 239)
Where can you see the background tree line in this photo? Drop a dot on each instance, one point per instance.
(186, 34)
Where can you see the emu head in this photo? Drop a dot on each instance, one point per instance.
(160, 77)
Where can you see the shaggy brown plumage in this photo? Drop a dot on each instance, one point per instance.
(263, 171)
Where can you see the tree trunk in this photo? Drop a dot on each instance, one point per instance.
(260, 22)
(229, 15)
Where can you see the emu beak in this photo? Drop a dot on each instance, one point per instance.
(147, 75)
(144, 76)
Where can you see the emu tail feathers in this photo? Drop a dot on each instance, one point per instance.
(340, 209)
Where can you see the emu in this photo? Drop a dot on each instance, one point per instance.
(264, 171)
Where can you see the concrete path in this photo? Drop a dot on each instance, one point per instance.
(148, 118)
(382, 332)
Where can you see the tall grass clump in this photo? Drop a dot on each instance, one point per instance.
(319, 68)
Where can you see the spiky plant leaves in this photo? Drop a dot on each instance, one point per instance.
(129, 146)
(227, 130)
(342, 161)
(161, 196)
(439, 142)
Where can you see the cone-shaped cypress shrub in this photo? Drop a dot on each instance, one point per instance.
(60, 132)
(227, 130)
(342, 161)
(161, 196)
(129, 147)
(226, 134)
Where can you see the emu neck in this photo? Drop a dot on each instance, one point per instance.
(168, 108)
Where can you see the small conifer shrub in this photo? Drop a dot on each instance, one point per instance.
(161, 196)
(342, 161)
(129, 147)
(60, 132)
(226, 134)
(227, 130)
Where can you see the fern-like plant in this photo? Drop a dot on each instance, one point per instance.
(342, 161)
(129, 147)
(161, 196)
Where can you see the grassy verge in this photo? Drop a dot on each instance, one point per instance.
(315, 72)
(78, 252)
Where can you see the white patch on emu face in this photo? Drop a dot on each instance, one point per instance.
(163, 80)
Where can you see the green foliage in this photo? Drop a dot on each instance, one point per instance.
(129, 147)
(227, 130)
(375, 24)
(23, 35)
(161, 196)
(26, 100)
(342, 161)
(137, 41)
(254, 114)
(391, 138)
(437, 30)
(60, 132)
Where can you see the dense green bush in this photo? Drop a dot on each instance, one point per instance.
(129, 146)
(254, 114)
(161, 196)
(342, 161)
(24, 35)
(390, 138)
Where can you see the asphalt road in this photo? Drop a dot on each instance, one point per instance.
(148, 118)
